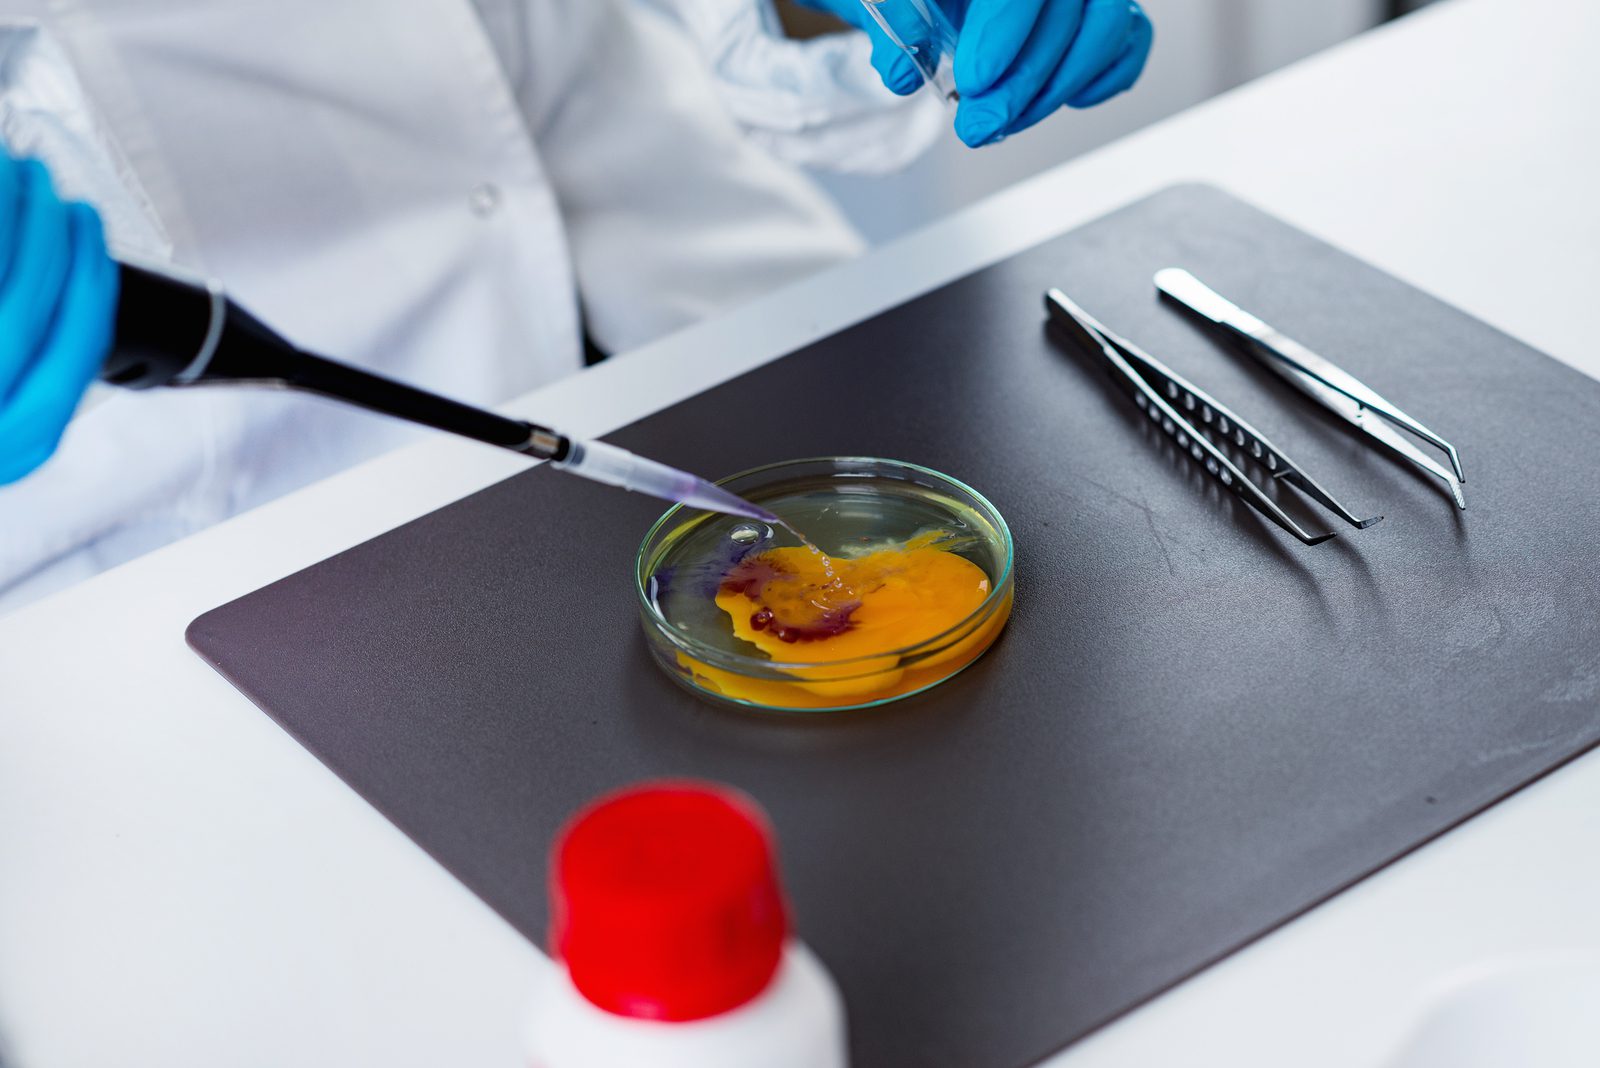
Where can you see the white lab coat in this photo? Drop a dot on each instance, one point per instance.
(443, 190)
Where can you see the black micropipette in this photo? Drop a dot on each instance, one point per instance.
(177, 331)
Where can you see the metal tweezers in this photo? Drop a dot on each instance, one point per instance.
(1171, 401)
(1326, 383)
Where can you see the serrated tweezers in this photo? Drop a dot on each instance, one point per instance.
(1321, 379)
(1171, 402)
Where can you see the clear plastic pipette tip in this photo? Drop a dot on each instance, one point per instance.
(713, 498)
(618, 467)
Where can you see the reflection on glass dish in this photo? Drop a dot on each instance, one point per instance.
(903, 579)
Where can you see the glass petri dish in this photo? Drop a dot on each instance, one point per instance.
(849, 508)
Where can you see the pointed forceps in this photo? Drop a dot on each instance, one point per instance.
(1170, 400)
(1321, 379)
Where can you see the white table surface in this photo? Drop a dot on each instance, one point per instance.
(182, 884)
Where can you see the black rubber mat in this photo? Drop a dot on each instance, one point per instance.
(1193, 729)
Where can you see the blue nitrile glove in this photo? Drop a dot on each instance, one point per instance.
(58, 299)
(1018, 61)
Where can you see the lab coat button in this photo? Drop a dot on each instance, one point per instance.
(485, 199)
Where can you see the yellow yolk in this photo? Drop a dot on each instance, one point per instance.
(804, 608)
(843, 608)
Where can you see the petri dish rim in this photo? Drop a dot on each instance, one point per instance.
(814, 710)
(999, 593)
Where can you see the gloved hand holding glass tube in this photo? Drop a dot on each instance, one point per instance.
(58, 298)
(1006, 63)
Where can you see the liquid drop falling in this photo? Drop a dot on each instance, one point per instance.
(826, 561)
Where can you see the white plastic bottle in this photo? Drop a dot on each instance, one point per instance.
(671, 942)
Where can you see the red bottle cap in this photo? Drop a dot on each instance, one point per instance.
(665, 901)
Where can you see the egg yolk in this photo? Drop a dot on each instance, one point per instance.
(801, 606)
(805, 608)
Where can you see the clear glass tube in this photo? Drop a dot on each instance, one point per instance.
(926, 35)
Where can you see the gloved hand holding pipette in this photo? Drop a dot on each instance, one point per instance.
(69, 313)
(59, 301)
(58, 290)
(1012, 62)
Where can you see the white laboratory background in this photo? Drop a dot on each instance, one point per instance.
(1203, 47)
